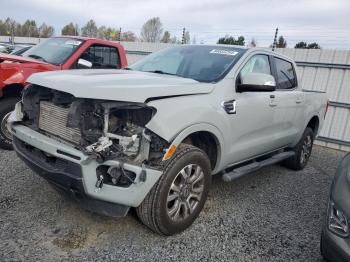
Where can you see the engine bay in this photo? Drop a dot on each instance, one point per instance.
(104, 130)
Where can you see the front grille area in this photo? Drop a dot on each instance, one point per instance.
(53, 120)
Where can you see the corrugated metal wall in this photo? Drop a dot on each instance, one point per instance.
(328, 71)
(319, 70)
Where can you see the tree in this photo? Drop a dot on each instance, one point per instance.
(313, 46)
(281, 43)
(152, 30)
(30, 29)
(230, 40)
(301, 44)
(240, 41)
(70, 29)
(112, 34)
(307, 46)
(10, 27)
(90, 29)
(128, 36)
(253, 43)
(103, 33)
(46, 30)
(166, 37)
(2, 28)
(18, 30)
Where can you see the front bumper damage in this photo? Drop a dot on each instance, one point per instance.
(74, 172)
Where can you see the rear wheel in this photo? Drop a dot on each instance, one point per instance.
(302, 151)
(177, 198)
(7, 105)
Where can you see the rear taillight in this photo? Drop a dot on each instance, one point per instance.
(327, 107)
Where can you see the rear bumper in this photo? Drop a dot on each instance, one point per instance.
(74, 173)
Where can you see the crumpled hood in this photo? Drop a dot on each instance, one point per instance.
(119, 85)
(20, 59)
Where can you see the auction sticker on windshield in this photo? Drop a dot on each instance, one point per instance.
(223, 52)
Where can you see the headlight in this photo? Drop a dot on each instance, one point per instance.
(337, 221)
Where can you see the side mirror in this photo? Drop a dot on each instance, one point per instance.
(84, 64)
(257, 82)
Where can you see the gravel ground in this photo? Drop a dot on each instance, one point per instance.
(271, 215)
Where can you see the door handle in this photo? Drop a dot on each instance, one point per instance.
(272, 101)
(298, 101)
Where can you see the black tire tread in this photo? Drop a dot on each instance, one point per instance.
(294, 162)
(148, 210)
(6, 103)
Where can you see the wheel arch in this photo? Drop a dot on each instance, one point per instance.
(314, 124)
(204, 136)
(12, 90)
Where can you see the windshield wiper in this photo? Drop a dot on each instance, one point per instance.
(127, 68)
(38, 57)
(161, 72)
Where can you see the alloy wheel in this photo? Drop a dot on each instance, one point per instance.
(185, 192)
(306, 150)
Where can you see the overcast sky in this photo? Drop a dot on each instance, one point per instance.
(324, 21)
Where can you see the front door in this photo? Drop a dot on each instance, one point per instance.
(252, 126)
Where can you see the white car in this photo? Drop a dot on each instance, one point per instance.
(151, 136)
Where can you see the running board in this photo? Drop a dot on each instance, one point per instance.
(241, 171)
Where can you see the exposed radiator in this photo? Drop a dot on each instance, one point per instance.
(53, 120)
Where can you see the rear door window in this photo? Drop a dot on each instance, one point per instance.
(102, 56)
(286, 78)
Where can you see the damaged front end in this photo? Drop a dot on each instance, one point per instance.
(102, 130)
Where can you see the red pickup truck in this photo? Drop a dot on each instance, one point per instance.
(57, 53)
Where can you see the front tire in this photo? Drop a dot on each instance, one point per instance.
(176, 200)
(302, 151)
(7, 105)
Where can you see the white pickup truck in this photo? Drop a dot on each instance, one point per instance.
(150, 136)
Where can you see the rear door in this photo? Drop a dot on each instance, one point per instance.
(288, 102)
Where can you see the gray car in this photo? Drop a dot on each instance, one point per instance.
(335, 240)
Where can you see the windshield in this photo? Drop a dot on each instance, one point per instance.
(201, 63)
(54, 50)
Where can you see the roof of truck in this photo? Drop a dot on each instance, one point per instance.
(97, 40)
(246, 48)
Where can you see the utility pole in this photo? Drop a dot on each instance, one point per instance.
(183, 36)
(120, 34)
(275, 40)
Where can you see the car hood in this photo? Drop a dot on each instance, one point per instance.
(119, 85)
(20, 59)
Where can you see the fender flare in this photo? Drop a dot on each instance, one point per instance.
(16, 78)
(315, 113)
(200, 128)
